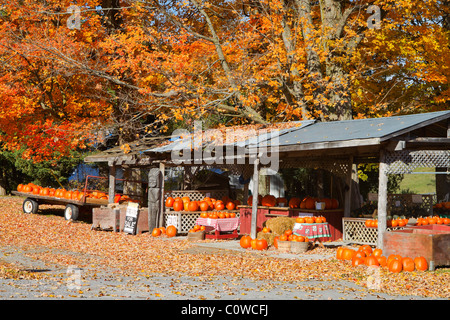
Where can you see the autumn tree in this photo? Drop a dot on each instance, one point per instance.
(130, 68)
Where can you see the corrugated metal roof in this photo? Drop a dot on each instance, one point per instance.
(357, 129)
(372, 130)
(187, 143)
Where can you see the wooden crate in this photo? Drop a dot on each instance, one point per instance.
(431, 242)
(104, 218)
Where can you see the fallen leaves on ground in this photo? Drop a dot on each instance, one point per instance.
(76, 244)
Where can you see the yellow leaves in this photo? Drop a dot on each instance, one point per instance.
(125, 148)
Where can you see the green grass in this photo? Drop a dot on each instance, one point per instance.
(419, 183)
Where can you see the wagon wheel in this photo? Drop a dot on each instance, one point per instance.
(71, 212)
(30, 206)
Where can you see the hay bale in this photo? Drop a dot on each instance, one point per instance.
(268, 236)
(279, 225)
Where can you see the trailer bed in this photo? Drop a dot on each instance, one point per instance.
(32, 202)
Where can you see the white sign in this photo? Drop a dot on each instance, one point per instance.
(131, 218)
(172, 221)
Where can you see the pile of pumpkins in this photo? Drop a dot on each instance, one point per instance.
(197, 228)
(170, 231)
(442, 205)
(432, 220)
(310, 203)
(395, 263)
(310, 219)
(62, 193)
(397, 222)
(206, 204)
(247, 242)
(295, 202)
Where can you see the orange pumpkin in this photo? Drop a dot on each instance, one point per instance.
(408, 264)
(393, 257)
(395, 266)
(371, 261)
(300, 220)
(366, 248)
(253, 244)
(192, 206)
(281, 200)
(310, 203)
(334, 204)
(231, 205)
(261, 244)
(348, 254)
(269, 201)
(178, 205)
(309, 220)
(156, 232)
(328, 203)
(169, 202)
(377, 253)
(356, 261)
(204, 206)
(420, 263)
(245, 242)
(294, 203)
(275, 242)
(382, 261)
(219, 205)
(339, 253)
(250, 200)
(171, 231)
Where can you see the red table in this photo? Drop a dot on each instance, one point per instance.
(220, 225)
(316, 231)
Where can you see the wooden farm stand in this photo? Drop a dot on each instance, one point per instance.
(398, 144)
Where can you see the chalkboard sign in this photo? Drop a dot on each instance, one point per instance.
(131, 218)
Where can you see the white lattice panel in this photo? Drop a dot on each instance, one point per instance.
(337, 166)
(196, 195)
(184, 221)
(355, 231)
(400, 162)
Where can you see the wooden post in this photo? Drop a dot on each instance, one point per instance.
(448, 128)
(255, 197)
(382, 198)
(160, 222)
(348, 189)
(246, 185)
(112, 183)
